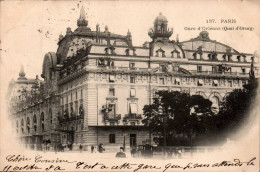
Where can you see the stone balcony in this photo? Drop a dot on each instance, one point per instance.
(70, 118)
(133, 117)
(219, 73)
(116, 117)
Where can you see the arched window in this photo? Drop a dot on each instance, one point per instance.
(215, 103)
(194, 56)
(22, 125)
(35, 123)
(28, 124)
(42, 121)
(224, 57)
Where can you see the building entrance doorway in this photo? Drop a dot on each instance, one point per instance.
(132, 140)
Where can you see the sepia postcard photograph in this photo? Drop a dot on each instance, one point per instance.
(131, 86)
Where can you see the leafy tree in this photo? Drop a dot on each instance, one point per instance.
(187, 115)
(235, 108)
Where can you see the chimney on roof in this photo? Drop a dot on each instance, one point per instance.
(60, 37)
(22, 74)
(106, 28)
(97, 32)
(68, 30)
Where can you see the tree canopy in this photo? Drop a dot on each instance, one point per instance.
(193, 116)
(235, 107)
(187, 115)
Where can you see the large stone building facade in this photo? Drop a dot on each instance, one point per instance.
(97, 83)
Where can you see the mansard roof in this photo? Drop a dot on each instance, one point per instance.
(203, 41)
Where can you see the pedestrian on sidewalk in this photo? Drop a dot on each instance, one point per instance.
(92, 148)
(95, 149)
(80, 148)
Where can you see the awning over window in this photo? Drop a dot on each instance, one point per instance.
(132, 92)
(200, 81)
(133, 108)
(215, 82)
(111, 77)
(177, 80)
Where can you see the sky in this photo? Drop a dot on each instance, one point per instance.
(31, 29)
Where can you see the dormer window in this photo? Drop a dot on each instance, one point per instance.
(238, 58)
(244, 58)
(175, 54)
(194, 56)
(229, 57)
(224, 57)
(160, 53)
(210, 56)
(110, 50)
(214, 56)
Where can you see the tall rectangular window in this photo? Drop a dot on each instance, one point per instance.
(132, 108)
(214, 69)
(76, 107)
(230, 83)
(112, 138)
(112, 112)
(162, 81)
(132, 79)
(243, 70)
(111, 92)
(132, 92)
(131, 65)
(199, 68)
(81, 93)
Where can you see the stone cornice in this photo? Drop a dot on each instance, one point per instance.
(72, 77)
(185, 61)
